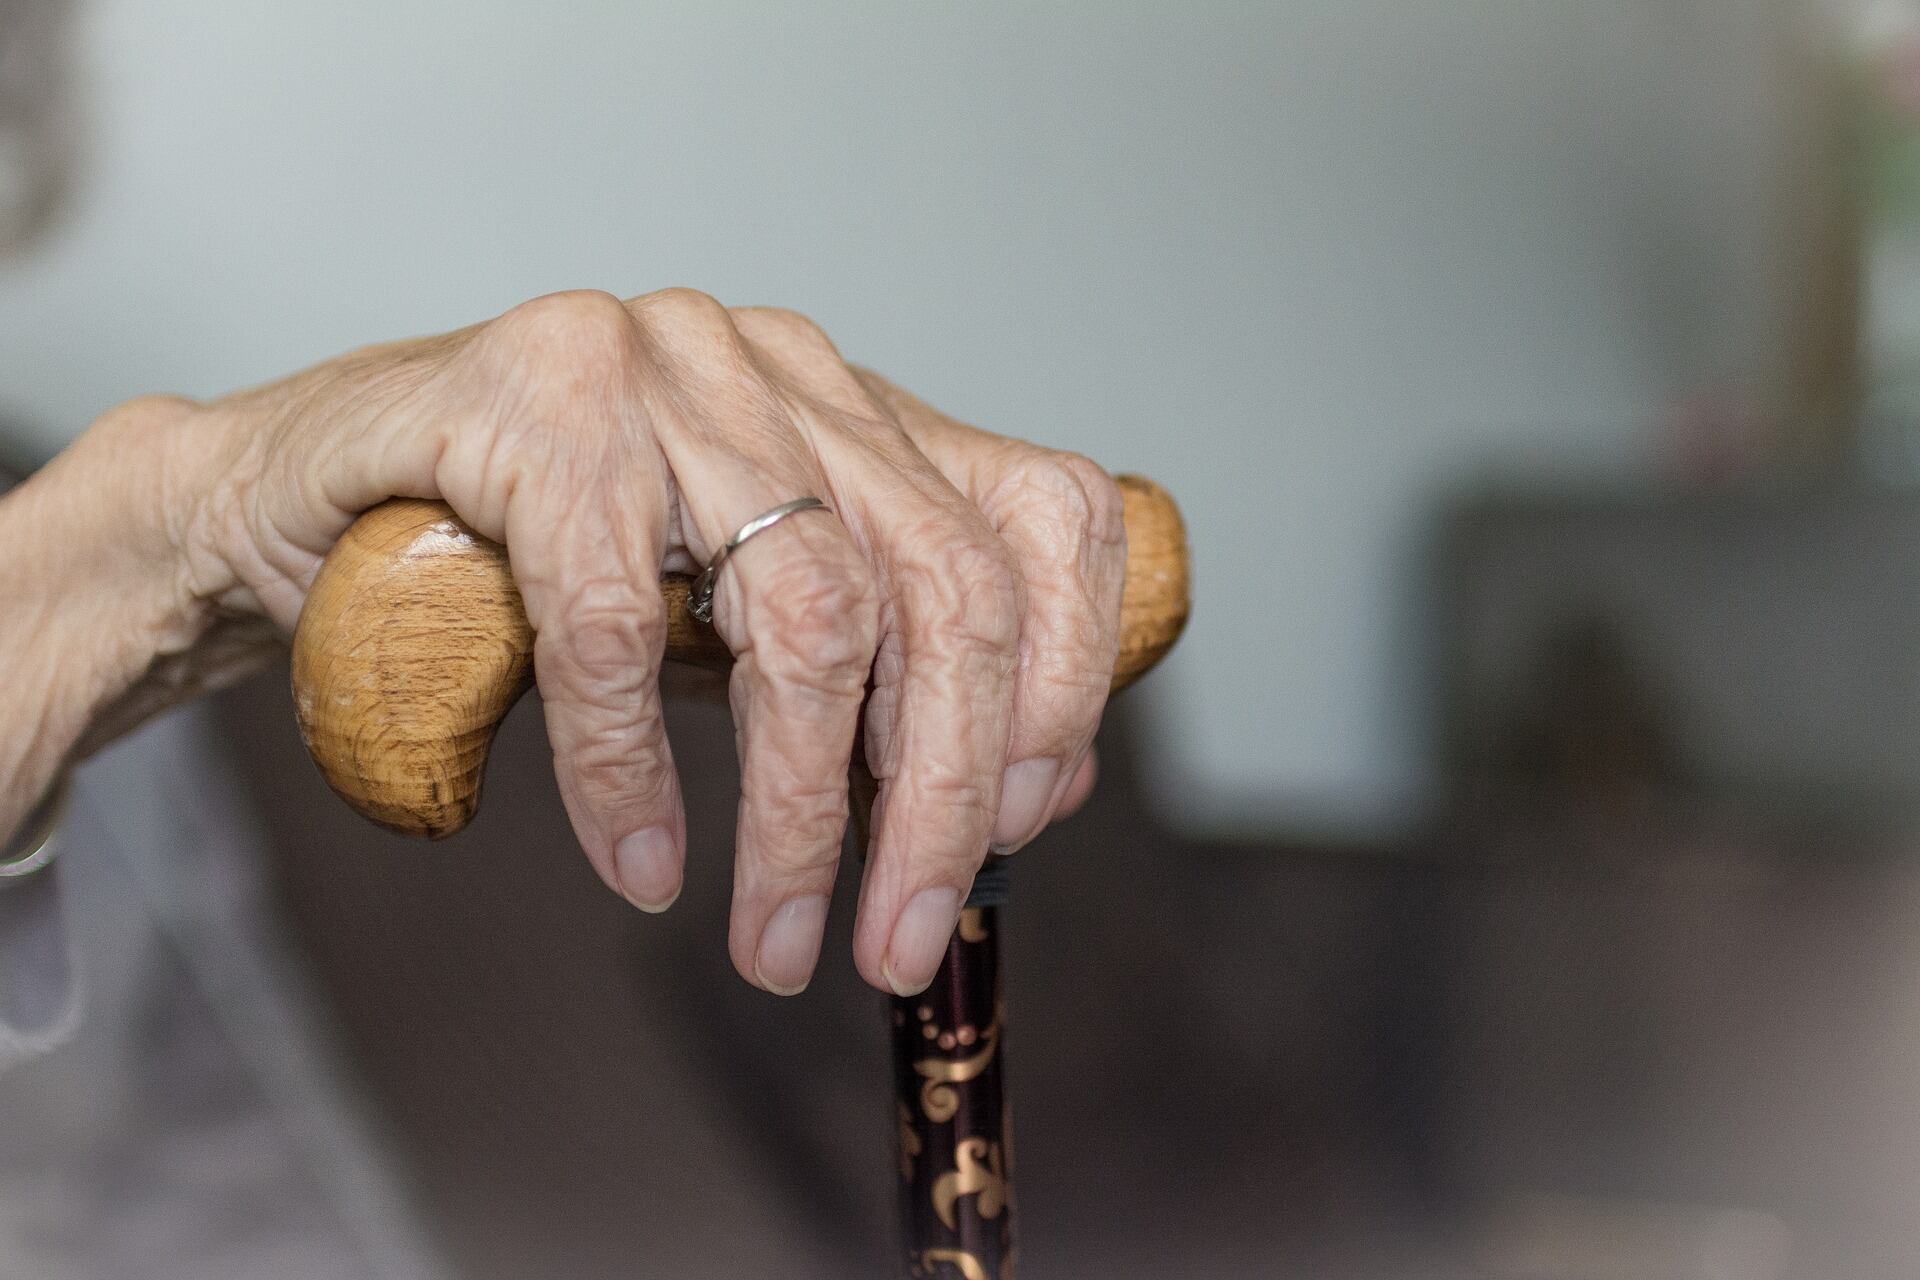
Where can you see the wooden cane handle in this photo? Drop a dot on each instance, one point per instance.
(413, 646)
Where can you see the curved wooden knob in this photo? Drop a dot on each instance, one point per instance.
(413, 646)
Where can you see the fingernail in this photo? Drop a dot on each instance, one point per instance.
(790, 945)
(648, 868)
(1024, 794)
(920, 939)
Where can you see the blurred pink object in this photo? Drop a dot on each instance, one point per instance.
(1714, 437)
(1900, 78)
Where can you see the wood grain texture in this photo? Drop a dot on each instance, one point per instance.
(413, 646)
(1158, 592)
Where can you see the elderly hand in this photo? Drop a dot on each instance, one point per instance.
(964, 589)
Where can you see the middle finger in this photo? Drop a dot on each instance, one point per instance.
(798, 606)
(940, 714)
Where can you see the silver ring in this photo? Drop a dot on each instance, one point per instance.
(700, 602)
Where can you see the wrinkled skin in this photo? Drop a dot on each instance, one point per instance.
(975, 579)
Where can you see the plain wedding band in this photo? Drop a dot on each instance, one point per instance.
(700, 602)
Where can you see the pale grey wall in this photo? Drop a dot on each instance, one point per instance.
(1304, 262)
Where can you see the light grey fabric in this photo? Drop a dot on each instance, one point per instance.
(39, 996)
(192, 1124)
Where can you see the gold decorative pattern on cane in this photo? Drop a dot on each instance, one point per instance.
(910, 1144)
(978, 1173)
(973, 925)
(969, 1267)
(937, 1097)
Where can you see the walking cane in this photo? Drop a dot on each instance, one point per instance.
(413, 646)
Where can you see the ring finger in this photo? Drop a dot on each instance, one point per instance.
(798, 606)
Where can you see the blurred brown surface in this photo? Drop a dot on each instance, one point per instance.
(578, 1085)
(1226, 1060)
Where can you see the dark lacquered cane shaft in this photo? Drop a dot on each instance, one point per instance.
(951, 1111)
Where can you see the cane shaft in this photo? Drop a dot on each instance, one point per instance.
(955, 1149)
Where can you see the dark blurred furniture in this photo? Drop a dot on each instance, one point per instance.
(1758, 654)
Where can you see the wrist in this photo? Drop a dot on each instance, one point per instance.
(101, 529)
(98, 590)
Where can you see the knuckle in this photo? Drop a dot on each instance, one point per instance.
(939, 787)
(681, 308)
(147, 409)
(821, 631)
(1061, 708)
(946, 798)
(783, 323)
(1069, 681)
(802, 852)
(1106, 522)
(617, 761)
(1068, 492)
(982, 597)
(576, 318)
(619, 755)
(574, 340)
(609, 738)
(956, 788)
(812, 822)
(606, 637)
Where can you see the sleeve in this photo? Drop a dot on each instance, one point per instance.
(39, 997)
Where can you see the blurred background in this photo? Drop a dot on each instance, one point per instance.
(1513, 872)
